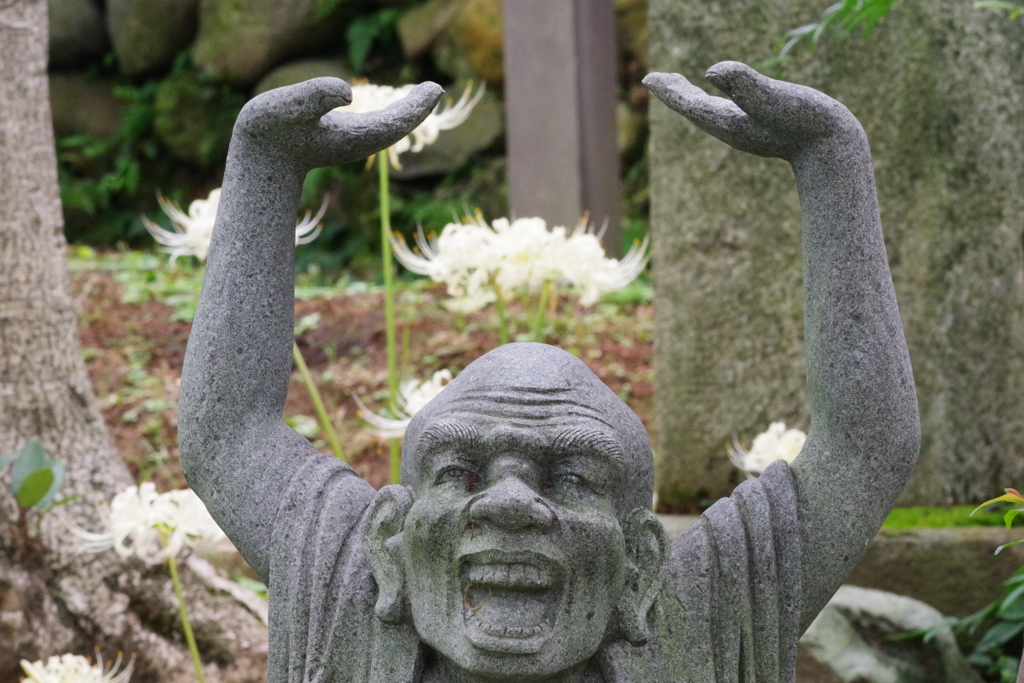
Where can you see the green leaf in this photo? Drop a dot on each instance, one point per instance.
(35, 488)
(325, 10)
(362, 33)
(1006, 545)
(1000, 633)
(1012, 612)
(1008, 517)
(1013, 597)
(58, 481)
(25, 476)
(30, 458)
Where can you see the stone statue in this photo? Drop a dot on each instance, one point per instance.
(520, 545)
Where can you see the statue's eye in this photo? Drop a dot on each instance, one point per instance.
(459, 475)
(570, 479)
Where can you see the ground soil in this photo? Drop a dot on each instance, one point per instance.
(134, 352)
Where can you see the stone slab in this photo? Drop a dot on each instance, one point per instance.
(939, 89)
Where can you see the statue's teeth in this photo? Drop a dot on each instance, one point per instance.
(511, 575)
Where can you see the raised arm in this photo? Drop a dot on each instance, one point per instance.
(865, 429)
(236, 450)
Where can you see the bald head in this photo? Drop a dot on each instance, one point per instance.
(529, 385)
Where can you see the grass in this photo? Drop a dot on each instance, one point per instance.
(941, 517)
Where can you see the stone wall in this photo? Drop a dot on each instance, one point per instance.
(939, 88)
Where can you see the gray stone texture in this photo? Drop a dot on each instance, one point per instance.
(954, 570)
(148, 34)
(77, 33)
(240, 41)
(940, 90)
(520, 544)
(560, 91)
(851, 641)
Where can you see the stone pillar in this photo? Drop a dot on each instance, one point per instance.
(939, 87)
(560, 94)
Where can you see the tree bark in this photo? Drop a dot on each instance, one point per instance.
(63, 600)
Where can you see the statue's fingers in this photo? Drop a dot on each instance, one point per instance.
(355, 136)
(313, 98)
(306, 101)
(758, 95)
(715, 115)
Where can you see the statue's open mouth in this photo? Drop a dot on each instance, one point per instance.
(510, 600)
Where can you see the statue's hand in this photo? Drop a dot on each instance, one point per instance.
(763, 116)
(297, 124)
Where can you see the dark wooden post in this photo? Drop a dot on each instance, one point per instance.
(560, 92)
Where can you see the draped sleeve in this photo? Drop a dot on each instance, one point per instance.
(730, 606)
(322, 625)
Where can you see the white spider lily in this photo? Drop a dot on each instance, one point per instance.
(584, 265)
(153, 526)
(525, 254)
(194, 230)
(472, 258)
(412, 396)
(777, 443)
(77, 669)
(462, 257)
(367, 98)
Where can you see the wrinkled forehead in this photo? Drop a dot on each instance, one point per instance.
(529, 406)
(535, 386)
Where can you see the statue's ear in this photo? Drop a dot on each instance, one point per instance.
(646, 552)
(383, 541)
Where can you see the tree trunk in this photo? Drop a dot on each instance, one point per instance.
(62, 600)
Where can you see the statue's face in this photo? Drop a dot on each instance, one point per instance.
(512, 552)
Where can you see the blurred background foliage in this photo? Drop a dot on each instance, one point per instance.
(145, 93)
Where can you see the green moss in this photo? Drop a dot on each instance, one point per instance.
(194, 117)
(939, 517)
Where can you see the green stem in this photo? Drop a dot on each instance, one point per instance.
(389, 285)
(502, 320)
(318, 404)
(389, 305)
(185, 625)
(396, 460)
(406, 343)
(538, 323)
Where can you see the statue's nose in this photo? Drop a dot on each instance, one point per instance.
(511, 504)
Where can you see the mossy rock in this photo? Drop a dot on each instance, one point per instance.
(148, 34)
(83, 105)
(420, 25)
(239, 41)
(471, 47)
(632, 29)
(194, 119)
(77, 33)
(302, 70)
